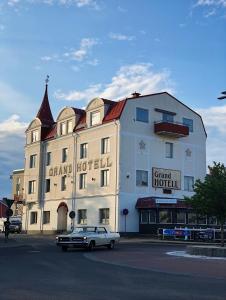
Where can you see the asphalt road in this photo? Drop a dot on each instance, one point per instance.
(39, 270)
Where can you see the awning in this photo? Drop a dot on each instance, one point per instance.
(160, 202)
(62, 204)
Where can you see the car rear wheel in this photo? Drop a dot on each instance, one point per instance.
(64, 248)
(111, 245)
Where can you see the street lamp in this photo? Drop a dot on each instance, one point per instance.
(223, 96)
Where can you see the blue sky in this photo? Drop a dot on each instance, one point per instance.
(108, 48)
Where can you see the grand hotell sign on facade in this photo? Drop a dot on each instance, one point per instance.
(140, 155)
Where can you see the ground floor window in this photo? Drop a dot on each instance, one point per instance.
(192, 219)
(33, 217)
(46, 217)
(181, 217)
(104, 216)
(212, 221)
(82, 216)
(202, 220)
(148, 216)
(165, 216)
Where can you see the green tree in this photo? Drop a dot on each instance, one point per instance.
(210, 195)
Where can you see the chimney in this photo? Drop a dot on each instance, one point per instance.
(135, 94)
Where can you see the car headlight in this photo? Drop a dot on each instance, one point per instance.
(84, 238)
(57, 238)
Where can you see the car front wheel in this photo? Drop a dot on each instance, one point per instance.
(111, 245)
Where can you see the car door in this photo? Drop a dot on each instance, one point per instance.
(101, 236)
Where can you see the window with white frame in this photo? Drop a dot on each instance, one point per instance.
(104, 215)
(18, 181)
(192, 218)
(48, 158)
(46, 217)
(105, 145)
(69, 126)
(64, 154)
(31, 187)
(165, 216)
(188, 123)
(188, 183)
(167, 117)
(47, 185)
(181, 217)
(63, 183)
(105, 177)
(141, 178)
(142, 115)
(63, 128)
(94, 118)
(169, 150)
(33, 159)
(33, 217)
(148, 216)
(82, 216)
(201, 220)
(82, 181)
(83, 150)
(34, 136)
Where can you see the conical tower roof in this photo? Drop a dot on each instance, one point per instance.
(44, 114)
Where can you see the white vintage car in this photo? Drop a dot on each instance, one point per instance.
(88, 237)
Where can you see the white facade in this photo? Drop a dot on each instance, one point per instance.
(110, 147)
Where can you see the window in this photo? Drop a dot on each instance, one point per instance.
(83, 150)
(142, 115)
(31, 187)
(188, 183)
(212, 221)
(142, 178)
(189, 123)
(33, 161)
(34, 136)
(105, 145)
(166, 117)
(47, 185)
(46, 217)
(104, 215)
(63, 183)
(82, 217)
(165, 216)
(18, 186)
(105, 177)
(181, 217)
(192, 218)
(94, 118)
(64, 154)
(69, 126)
(202, 220)
(48, 158)
(148, 217)
(82, 181)
(169, 150)
(63, 128)
(33, 217)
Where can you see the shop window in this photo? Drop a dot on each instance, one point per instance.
(104, 216)
(105, 145)
(82, 216)
(201, 220)
(82, 181)
(212, 221)
(192, 218)
(142, 115)
(169, 150)
(141, 178)
(181, 217)
(165, 216)
(47, 185)
(148, 216)
(48, 158)
(188, 123)
(31, 187)
(83, 150)
(95, 118)
(105, 175)
(63, 183)
(188, 183)
(33, 217)
(64, 154)
(34, 136)
(33, 159)
(46, 217)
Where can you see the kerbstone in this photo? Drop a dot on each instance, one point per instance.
(213, 251)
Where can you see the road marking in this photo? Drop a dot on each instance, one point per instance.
(185, 254)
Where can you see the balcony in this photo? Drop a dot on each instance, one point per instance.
(171, 129)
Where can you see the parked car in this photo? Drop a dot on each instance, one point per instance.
(15, 226)
(88, 237)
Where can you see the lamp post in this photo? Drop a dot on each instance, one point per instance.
(223, 96)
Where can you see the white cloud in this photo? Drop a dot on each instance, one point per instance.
(211, 3)
(210, 13)
(94, 62)
(12, 126)
(121, 37)
(130, 78)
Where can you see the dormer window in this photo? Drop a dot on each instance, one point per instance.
(63, 128)
(94, 118)
(69, 126)
(34, 136)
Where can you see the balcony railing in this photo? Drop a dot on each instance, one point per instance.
(172, 129)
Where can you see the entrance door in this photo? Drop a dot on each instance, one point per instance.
(62, 219)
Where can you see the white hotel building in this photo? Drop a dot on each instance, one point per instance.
(141, 153)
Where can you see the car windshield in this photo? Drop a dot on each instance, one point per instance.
(85, 229)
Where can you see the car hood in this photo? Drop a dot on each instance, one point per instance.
(77, 234)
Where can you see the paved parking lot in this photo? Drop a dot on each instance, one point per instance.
(34, 268)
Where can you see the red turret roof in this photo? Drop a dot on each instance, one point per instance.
(45, 114)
